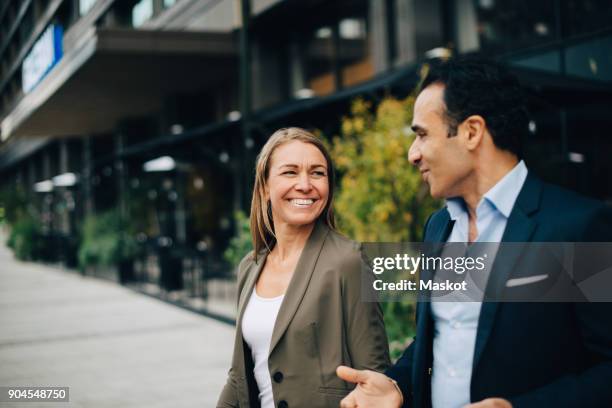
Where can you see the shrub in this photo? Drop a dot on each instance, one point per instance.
(105, 241)
(24, 239)
(240, 244)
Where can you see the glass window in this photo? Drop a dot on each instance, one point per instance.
(590, 59)
(142, 11)
(545, 61)
(85, 6)
(355, 61)
(337, 53)
(319, 61)
(502, 25)
(586, 16)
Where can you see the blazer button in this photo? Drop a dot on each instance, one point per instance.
(278, 377)
(283, 404)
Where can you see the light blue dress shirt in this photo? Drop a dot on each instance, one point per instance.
(456, 323)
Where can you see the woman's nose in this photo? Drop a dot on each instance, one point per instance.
(304, 183)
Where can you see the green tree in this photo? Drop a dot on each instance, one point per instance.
(381, 197)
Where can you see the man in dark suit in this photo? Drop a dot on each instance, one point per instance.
(469, 120)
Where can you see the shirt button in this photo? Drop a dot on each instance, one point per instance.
(278, 377)
(452, 372)
(456, 325)
(283, 404)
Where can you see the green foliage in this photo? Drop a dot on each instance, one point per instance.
(13, 203)
(106, 240)
(240, 244)
(381, 197)
(24, 238)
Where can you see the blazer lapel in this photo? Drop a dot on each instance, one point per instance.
(247, 290)
(519, 229)
(299, 282)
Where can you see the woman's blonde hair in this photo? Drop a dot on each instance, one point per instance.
(262, 227)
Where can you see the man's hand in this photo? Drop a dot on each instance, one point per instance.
(491, 403)
(374, 390)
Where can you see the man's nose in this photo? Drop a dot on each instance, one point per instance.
(414, 153)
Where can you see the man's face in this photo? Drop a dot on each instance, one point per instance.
(444, 162)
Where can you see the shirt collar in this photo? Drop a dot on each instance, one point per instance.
(502, 195)
(455, 207)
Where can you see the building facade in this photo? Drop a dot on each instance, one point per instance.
(157, 108)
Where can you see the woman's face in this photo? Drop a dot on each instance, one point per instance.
(297, 184)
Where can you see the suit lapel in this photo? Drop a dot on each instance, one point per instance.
(439, 230)
(436, 235)
(299, 282)
(519, 229)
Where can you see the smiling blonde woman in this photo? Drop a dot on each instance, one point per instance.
(299, 309)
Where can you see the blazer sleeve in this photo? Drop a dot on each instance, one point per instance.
(591, 387)
(365, 329)
(401, 371)
(228, 397)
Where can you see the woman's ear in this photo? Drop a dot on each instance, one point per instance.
(474, 128)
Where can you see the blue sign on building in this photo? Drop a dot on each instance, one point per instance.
(43, 56)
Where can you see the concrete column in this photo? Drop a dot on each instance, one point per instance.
(64, 217)
(86, 185)
(31, 179)
(467, 23)
(47, 201)
(180, 213)
(296, 66)
(268, 78)
(406, 33)
(121, 176)
(378, 35)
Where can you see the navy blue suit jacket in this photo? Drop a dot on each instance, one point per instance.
(533, 354)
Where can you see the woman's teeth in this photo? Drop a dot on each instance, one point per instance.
(300, 202)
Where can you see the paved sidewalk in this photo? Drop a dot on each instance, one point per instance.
(111, 346)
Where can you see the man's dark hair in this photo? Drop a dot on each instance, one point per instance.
(482, 87)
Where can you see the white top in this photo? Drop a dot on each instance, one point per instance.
(456, 323)
(257, 325)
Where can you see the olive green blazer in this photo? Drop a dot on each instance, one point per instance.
(322, 323)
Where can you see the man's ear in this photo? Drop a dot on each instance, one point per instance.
(475, 129)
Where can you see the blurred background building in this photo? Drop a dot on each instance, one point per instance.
(151, 112)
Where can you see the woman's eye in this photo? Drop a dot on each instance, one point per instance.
(289, 172)
(319, 173)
